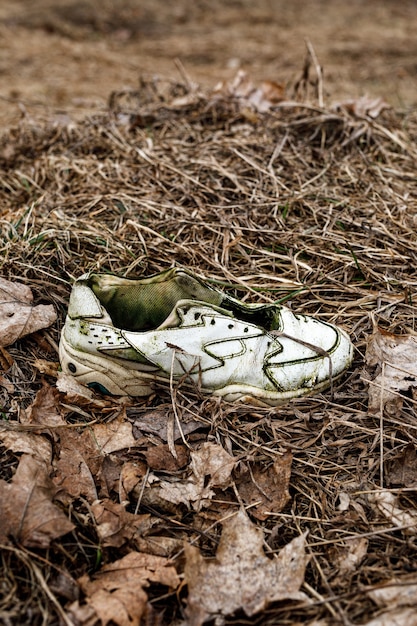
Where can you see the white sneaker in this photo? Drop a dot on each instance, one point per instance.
(123, 335)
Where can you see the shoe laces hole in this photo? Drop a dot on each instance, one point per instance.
(246, 329)
(72, 368)
(213, 321)
(230, 326)
(197, 316)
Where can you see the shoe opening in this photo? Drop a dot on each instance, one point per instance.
(144, 304)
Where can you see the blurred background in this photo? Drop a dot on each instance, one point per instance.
(69, 55)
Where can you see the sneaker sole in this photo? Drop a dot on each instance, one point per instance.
(108, 376)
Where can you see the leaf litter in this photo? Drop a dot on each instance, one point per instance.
(18, 315)
(241, 576)
(180, 508)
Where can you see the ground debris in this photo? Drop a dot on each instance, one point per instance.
(241, 576)
(18, 315)
(117, 593)
(394, 357)
(27, 513)
(274, 196)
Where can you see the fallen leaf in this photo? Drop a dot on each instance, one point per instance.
(363, 106)
(117, 594)
(45, 409)
(266, 487)
(18, 315)
(395, 359)
(156, 423)
(116, 526)
(159, 545)
(50, 368)
(400, 591)
(26, 442)
(77, 466)
(80, 396)
(62, 584)
(82, 454)
(241, 88)
(344, 501)
(183, 492)
(71, 387)
(348, 557)
(403, 470)
(241, 576)
(388, 504)
(396, 617)
(131, 474)
(6, 384)
(113, 436)
(212, 467)
(27, 512)
(159, 458)
(6, 359)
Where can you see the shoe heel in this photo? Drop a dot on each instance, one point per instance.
(101, 374)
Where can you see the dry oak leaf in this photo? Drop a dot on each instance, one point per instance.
(159, 458)
(348, 557)
(212, 467)
(399, 591)
(116, 526)
(266, 488)
(387, 504)
(155, 422)
(403, 471)
(114, 436)
(45, 409)
(82, 456)
(77, 466)
(26, 509)
(18, 316)
(117, 592)
(396, 617)
(261, 98)
(241, 576)
(395, 357)
(363, 106)
(27, 442)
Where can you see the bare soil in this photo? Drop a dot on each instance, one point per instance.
(70, 55)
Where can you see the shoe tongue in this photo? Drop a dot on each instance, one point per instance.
(174, 318)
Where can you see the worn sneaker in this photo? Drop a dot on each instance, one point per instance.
(121, 336)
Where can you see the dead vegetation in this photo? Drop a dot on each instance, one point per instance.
(111, 514)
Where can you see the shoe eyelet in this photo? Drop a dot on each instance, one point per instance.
(246, 330)
(230, 326)
(72, 368)
(213, 321)
(197, 316)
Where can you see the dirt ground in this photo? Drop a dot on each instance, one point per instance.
(69, 54)
(126, 511)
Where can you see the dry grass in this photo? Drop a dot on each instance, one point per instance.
(303, 203)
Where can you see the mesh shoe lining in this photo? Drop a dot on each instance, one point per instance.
(137, 305)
